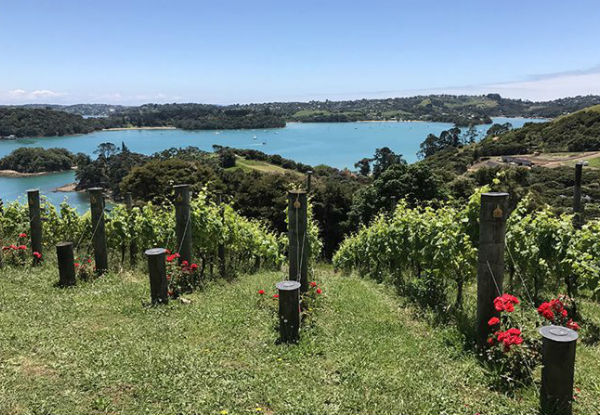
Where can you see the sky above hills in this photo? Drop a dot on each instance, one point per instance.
(133, 51)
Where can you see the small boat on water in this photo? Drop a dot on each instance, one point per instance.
(254, 137)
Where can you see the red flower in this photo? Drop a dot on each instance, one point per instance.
(185, 264)
(261, 292)
(490, 341)
(545, 310)
(572, 325)
(170, 293)
(275, 295)
(194, 267)
(76, 264)
(37, 255)
(22, 247)
(170, 258)
(13, 246)
(89, 261)
(493, 321)
(313, 284)
(167, 251)
(168, 278)
(5, 248)
(509, 337)
(319, 291)
(22, 235)
(506, 302)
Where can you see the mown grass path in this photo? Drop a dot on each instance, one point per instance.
(96, 349)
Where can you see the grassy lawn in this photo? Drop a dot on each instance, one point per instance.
(262, 166)
(96, 348)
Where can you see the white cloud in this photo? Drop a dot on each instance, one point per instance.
(21, 96)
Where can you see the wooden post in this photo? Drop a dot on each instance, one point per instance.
(35, 222)
(183, 222)
(221, 246)
(577, 207)
(66, 264)
(490, 266)
(308, 180)
(298, 238)
(558, 370)
(133, 243)
(289, 311)
(157, 270)
(98, 230)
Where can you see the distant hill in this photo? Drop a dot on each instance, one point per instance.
(579, 131)
(462, 110)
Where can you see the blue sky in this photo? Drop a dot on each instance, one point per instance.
(132, 52)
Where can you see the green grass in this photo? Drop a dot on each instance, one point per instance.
(97, 348)
(262, 166)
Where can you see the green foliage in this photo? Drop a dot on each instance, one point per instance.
(422, 250)
(35, 122)
(37, 159)
(247, 242)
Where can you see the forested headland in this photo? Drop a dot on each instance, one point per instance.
(463, 111)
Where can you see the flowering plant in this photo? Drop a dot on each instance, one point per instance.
(556, 312)
(511, 356)
(181, 277)
(16, 254)
(84, 268)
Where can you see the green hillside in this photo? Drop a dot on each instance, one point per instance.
(96, 348)
(579, 131)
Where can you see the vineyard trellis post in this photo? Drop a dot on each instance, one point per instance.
(183, 222)
(98, 229)
(133, 242)
(577, 206)
(289, 311)
(35, 222)
(558, 370)
(157, 271)
(298, 238)
(221, 246)
(308, 180)
(490, 265)
(66, 264)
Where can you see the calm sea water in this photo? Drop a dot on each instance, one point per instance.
(335, 144)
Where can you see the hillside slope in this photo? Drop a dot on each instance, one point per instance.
(579, 131)
(97, 348)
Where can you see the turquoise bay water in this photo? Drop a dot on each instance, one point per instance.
(335, 144)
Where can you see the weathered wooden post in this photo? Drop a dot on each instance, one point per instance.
(558, 370)
(221, 246)
(490, 265)
(66, 264)
(157, 270)
(577, 206)
(133, 243)
(183, 222)
(35, 222)
(298, 238)
(289, 311)
(98, 229)
(308, 180)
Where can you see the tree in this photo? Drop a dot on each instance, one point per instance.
(364, 166)
(470, 136)
(385, 158)
(105, 150)
(499, 129)
(433, 144)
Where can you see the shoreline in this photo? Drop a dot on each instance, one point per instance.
(138, 128)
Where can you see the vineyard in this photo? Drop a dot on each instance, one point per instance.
(392, 328)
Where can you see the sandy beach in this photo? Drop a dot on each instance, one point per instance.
(13, 173)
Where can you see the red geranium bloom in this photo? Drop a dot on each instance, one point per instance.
(13, 246)
(319, 291)
(37, 255)
(493, 321)
(167, 251)
(572, 325)
(275, 295)
(76, 264)
(261, 292)
(170, 293)
(184, 264)
(313, 284)
(194, 267)
(506, 302)
(89, 261)
(22, 235)
(22, 247)
(545, 309)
